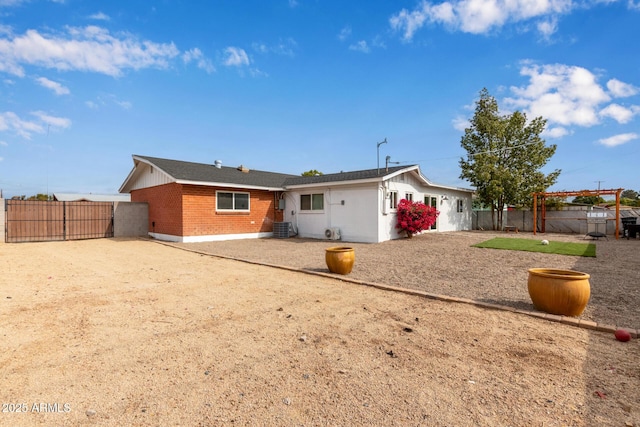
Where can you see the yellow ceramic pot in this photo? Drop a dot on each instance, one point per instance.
(555, 291)
(340, 259)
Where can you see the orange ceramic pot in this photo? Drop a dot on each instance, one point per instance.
(555, 291)
(340, 259)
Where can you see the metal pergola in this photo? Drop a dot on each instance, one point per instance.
(564, 194)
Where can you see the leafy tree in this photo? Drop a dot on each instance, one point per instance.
(504, 156)
(312, 172)
(414, 217)
(588, 200)
(629, 202)
(41, 197)
(554, 202)
(629, 194)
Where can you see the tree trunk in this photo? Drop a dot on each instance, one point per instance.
(493, 217)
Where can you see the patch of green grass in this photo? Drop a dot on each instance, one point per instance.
(532, 245)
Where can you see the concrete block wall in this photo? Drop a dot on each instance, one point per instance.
(562, 221)
(130, 219)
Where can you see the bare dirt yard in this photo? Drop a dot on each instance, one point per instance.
(132, 332)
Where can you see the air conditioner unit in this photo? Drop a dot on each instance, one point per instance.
(332, 233)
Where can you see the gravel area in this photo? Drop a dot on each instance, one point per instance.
(118, 332)
(447, 264)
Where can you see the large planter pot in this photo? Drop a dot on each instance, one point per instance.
(340, 259)
(554, 291)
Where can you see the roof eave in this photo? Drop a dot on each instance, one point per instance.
(331, 183)
(228, 185)
(136, 161)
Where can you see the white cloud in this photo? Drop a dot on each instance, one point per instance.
(4, 143)
(286, 47)
(460, 123)
(90, 48)
(107, 100)
(56, 87)
(619, 113)
(360, 46)
(564, 95)
(235, 57)
(52, 121)
(480, 16)
(620, 89)
(255, 72)
(618, 139)
(100, 17)
(548, 27)
(10, 122)
(126, 105)
(344, 33)
(555, 132)
(196, 55)
(410, 22)
(5, 3)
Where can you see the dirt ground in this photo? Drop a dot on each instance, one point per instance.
(131, 332)
(447, 264)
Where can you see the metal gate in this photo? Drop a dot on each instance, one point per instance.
(38, 221)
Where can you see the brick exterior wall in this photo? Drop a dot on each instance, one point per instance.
(165, 207)
(190, 210)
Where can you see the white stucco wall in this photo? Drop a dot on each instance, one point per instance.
(363, 212)
(352, 209)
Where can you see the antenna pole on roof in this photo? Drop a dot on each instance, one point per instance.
(387, 161)
(379, 144)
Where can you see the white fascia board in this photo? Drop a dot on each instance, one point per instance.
(136, 171)
(126, 181)
(406, 170)
(228, 185)
(444, 187)
(334, 183)
(449, 187)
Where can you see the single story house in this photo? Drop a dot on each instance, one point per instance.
(195, 202)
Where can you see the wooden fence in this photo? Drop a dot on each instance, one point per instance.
(36, 221)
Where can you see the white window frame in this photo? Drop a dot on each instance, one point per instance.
(311, 197)
(408, 196)
(233, 201)
(393, 199)
(459, 206)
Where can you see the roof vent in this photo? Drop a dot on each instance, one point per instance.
(218, 164)
(243, 169)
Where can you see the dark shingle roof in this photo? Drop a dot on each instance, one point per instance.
(343, 176)
(201, 172)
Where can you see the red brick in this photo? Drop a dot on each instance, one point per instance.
(190, 210)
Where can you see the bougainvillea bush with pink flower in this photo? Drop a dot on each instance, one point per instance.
(414, 217)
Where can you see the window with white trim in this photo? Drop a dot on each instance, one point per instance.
(459, 206)
(409, 197)
(232, 201)
(393, 199)
(312, 202)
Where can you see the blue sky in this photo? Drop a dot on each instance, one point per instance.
(293, 85)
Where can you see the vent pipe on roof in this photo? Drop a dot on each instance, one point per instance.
(218, 164)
